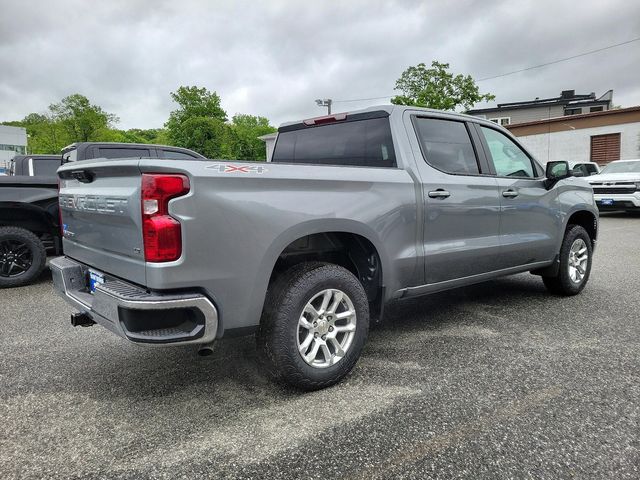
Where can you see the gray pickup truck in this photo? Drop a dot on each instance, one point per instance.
(354, 211)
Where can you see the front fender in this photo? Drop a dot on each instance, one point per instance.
(575, 195)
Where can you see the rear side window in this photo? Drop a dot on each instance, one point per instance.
(45, 167)
(362, 143)
(123, 152)
(446, 145)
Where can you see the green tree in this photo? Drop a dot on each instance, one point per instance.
(82, 121)
(207, 136)
(134, 135)
(195, 102)
(437, 88)
(199, 122)
(245, 129)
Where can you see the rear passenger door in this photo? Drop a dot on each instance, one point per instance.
(461, 206)
(528, 219)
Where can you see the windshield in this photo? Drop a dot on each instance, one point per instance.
(622, 167)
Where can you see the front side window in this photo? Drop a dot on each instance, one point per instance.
(508, 158)
(446, 145)
(364, 143)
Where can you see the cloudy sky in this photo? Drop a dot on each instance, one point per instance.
(274, 58)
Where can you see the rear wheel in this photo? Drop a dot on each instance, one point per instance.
(575, 263)
(22, 257)
(314, 325)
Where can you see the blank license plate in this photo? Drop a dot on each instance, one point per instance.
(95, 278)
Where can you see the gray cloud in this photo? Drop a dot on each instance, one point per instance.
(274, 58)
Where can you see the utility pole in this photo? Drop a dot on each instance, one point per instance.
(325, 102)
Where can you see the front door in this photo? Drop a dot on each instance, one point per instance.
(529, 220)
(461, 214)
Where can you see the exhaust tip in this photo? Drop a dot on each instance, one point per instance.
(205, 351)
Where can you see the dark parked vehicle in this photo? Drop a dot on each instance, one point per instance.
(88, 150)
(29, 218)
(34, 166)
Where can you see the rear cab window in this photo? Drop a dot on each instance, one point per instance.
(358, 140)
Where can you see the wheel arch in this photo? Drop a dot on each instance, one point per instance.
(587, 220)
(30, 217)
(357, 237)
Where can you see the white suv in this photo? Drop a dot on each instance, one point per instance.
(617, 186)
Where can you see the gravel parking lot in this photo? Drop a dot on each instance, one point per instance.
(497, 380)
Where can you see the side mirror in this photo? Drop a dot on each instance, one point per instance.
(556, 171)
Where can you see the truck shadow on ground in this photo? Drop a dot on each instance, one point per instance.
(117, 369)
(621, 214)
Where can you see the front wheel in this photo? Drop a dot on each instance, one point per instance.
(314, 325)
(575, 263)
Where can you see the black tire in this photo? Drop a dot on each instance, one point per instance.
(562, 284)
(279, 332)
(22, 257)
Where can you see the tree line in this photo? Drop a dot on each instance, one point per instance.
(201, 124)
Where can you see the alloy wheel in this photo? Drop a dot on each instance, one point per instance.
(326, 328)
(15, 258)
(578, 260)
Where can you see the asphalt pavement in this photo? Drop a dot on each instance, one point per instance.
(499, 380)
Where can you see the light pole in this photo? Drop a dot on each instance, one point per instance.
(325, 102)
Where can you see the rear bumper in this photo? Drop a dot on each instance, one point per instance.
(134, 313)
(627, 201)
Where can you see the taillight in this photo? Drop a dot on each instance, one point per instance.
(161, 232)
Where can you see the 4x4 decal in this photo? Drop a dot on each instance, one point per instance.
(227, 168)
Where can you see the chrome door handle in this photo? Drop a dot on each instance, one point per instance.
(510, 193)
(439, 193)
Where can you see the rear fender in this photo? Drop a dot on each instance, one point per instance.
(309, 228)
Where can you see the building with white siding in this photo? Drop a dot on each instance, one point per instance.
(270, 142)
(13, 141)
(597, 137)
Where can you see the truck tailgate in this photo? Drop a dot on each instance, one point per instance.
(101, 216)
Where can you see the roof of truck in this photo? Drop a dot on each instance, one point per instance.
(38, 156)
(389, 109)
